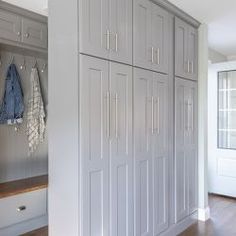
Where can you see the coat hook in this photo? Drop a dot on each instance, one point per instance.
(23, 66)
(44, 67)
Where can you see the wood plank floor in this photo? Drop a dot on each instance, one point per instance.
(222, 222)
(38, 232)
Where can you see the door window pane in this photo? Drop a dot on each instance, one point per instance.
(227, 109)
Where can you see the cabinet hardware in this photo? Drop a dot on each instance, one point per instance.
(152, 101)
(116, 115)
(116, 39)
(152, 56)
(108, 40)
(188, 66)
(158, 56)
(21, 208)
(108, 114)
(19, 33)
(192, 66)
(27, 35)
(158, 115)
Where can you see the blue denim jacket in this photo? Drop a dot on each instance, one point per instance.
(12, 107)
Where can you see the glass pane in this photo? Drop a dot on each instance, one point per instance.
(227, 109)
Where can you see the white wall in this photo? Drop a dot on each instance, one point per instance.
(217, 184)
(216, 57)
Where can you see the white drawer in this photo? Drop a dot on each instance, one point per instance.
(33, 204)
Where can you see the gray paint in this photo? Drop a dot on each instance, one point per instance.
(63, 118)
(14, 160)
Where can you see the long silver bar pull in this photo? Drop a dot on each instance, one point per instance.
(158, 56)
(108, 114)
(116, 39)
(152, 56)
(152, 101)
(116, 115)
(108, 40)
(158, 115)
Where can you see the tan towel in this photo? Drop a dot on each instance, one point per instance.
(36, 114)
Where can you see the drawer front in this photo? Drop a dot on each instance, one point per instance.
(34, 33)
(10, 26)
(22, 207)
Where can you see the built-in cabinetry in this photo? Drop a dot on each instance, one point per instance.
(186, 50)
(106, 29)
(106, 147)
(125, 113)
(150, 152)
(151, 32)
(19, 29)
(185, 148)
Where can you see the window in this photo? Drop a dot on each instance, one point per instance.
(227, 109)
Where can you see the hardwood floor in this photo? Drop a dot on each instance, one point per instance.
(38, 232)
(222, 222)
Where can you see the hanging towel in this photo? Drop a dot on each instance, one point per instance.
(12, 107)
(36, 114)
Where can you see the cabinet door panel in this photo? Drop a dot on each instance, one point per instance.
(160, 153)
(94, 127)
(34, 33)
(142, 34)
(121, 30)
(10, 26)
(193, 53)
(181, 49)
(181, 157)
(94, 23)
(160, 33)
(143, 152)
(121, 161)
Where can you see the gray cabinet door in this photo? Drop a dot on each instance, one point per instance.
(121, 24)
(193, 53)
(34, 33)
(160, 34)
(94, 27)
(182, 65)
(160, 163)
(181, 155)
(143, 129)
(10, 26)
(192, 146)
(142, 34)
(95, 133)
(121, 149)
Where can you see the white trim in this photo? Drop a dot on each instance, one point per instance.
(204, 214)
(25, 226)
(181, 226)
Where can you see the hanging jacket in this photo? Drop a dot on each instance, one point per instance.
(12, 107)
(36, 114)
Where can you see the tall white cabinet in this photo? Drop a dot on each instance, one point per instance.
(135, 176)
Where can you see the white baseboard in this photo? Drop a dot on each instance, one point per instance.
(204, 214)
(25, 226)
(181, 226)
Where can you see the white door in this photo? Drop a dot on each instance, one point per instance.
(160, 153)
(222, 128)
(95, 133)
(94, 27)
(181, 157)
(192, 146)
(160, 30)
(182, 64)
(121, 22)
(121, 148)
(142, 34)
(143, 129)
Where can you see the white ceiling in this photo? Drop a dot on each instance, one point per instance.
(220, 15)
(39, 6)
